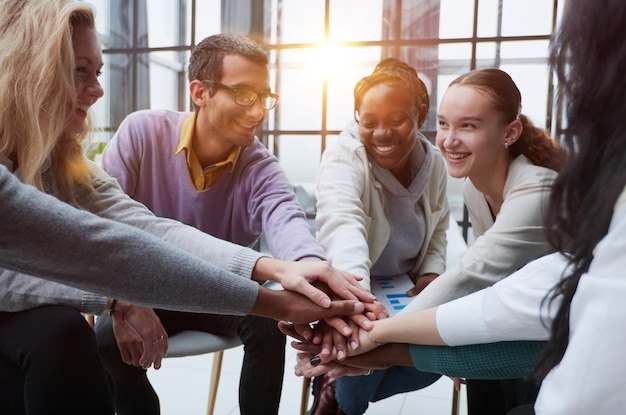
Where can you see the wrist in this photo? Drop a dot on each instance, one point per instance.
(267, 269)
(268, 304)
(372, 339)
(121, 310)
(111, 304)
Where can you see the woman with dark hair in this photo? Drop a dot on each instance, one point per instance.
(382, 211)
(586, 223)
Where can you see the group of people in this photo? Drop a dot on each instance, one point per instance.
(158, 244)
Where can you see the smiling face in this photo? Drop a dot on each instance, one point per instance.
(471, 135)
(88, 63)
(220, 119)
(388, 126)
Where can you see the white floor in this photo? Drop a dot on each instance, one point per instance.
(183, 383)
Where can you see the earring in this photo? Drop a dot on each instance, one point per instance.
(506, 145)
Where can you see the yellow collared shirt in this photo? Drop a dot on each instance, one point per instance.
(203, 177)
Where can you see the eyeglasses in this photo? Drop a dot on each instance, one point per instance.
(247, 97)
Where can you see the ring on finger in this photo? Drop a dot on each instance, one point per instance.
(158, 340)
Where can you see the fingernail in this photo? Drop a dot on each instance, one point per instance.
(354, 344)
(367, 324)
(315, 361)
(325, 302)
(346, 331)
(341, 354)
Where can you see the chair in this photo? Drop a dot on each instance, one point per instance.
(306, 384)
(192, 343)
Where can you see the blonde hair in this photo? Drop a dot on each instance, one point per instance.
(38, 91)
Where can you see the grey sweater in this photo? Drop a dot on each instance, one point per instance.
(43, 236)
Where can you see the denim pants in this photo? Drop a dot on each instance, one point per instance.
(354, 393)
(261, 380)
(49, 364)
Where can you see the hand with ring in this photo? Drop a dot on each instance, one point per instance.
(140, 336)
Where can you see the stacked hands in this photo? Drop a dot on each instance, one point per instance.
(308, 287)
(344, 346)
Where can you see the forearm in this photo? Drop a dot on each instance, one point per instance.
(504, 360)
(415, 328)
(45, 237)
(393, 354)
(109, 201)
(23, 292)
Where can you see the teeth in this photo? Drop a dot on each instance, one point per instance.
(384, 149)
(247, 125)
(457, 156)
(83, 108)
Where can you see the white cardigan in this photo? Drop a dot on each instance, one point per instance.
(588, 379)
(515, 238)
(351, 222)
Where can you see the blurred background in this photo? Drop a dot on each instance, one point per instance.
(319, 49)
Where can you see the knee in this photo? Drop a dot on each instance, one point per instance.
(66, 335)
(104, 333)
(262, 333)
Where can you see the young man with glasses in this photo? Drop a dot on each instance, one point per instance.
(207, 169)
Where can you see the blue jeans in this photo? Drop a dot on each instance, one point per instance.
(261, 380)
(49, 364)
(354, 393)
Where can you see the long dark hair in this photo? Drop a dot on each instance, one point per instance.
(590, 59)
(506, 98)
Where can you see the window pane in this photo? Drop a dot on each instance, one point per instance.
(535, 49)
(528, 17)
(487, 18)
(299, 156)
(357, 63)
(456, 18)
(302, 21)
(355, 20)
(168, 79)
(487, 54)
(164, 22)
(208, 18)
(300, 106)
(532, 81)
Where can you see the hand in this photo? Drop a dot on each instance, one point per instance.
(392, 354)
(295, 307)
(298, 276)
(140, 336)
(327, 347)
(421, 283)
(375, 311)
(333, 368)
(348, 327)
(335, 333)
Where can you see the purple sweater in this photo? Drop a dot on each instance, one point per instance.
(256, 197)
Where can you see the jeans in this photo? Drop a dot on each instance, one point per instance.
(354, 393)
(49, 364)
(261, 380)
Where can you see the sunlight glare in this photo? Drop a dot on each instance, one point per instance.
(327, 59)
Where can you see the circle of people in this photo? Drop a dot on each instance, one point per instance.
(155, 240)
